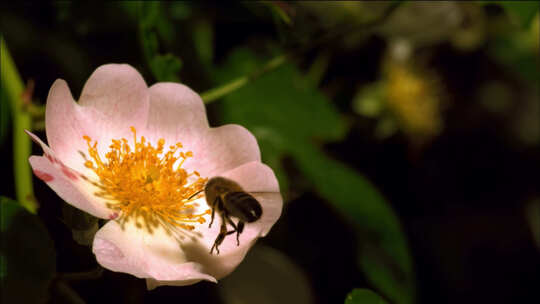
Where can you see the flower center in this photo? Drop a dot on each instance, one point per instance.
(146, 185)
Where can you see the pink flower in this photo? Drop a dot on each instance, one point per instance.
(138, 156)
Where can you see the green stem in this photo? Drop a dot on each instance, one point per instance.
(216, 93)
(22, 147)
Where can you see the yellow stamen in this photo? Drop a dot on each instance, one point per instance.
(142, 185)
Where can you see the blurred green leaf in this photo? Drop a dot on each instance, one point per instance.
(523, 11)
(180, 10)
(384, 258)
(289, 116)
(282, 100)
(148, 17)
(272, 155)
(166, 67)
(519, 52)
(203, 38)
(363, 296)
(28, 255)
(318, 68)
(278, 11)
(5, 117)
(281, 108)
(152, 22)
(283, 281)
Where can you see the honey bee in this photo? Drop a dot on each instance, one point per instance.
(228, 199)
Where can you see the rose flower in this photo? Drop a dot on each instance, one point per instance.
(140, 157)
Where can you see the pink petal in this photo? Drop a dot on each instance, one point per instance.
(156, 256)
(222, 149)
(254, 177)
(176, 112)
(114, 98)
(152, 284)
(75, 192)
(65, 125)
(120, 94)
(71, 185)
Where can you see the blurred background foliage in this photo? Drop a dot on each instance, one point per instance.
(404, 134)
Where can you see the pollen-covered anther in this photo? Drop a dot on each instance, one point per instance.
(147, 185)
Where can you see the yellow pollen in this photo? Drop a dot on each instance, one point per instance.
(142, 185)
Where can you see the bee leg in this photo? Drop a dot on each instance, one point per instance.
(238, 231)
(213, 211)
(220, 237)
(233, 225)
(238, 228)
(212, 218)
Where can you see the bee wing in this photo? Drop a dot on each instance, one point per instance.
(265, 196)
(272, 204)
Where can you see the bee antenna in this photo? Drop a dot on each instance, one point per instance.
(194, 194)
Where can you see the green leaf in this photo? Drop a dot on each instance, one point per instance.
(384, 258)
(281, 108)
(518, 50)
(148, 17)
(28, 258)
(290, 117)
(5, 116)
(282, 100)
(523, 11)
(363, 296)
(166, 67)
(247, 285)
(152, 26)
(278, 10)
(180, 10)
(272, 156)
(203, 38)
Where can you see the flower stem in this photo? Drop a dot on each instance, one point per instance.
(237, 83)
(12, 84)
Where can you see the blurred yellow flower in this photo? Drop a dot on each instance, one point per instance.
(413, 99)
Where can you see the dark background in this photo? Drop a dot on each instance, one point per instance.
(461, 196)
